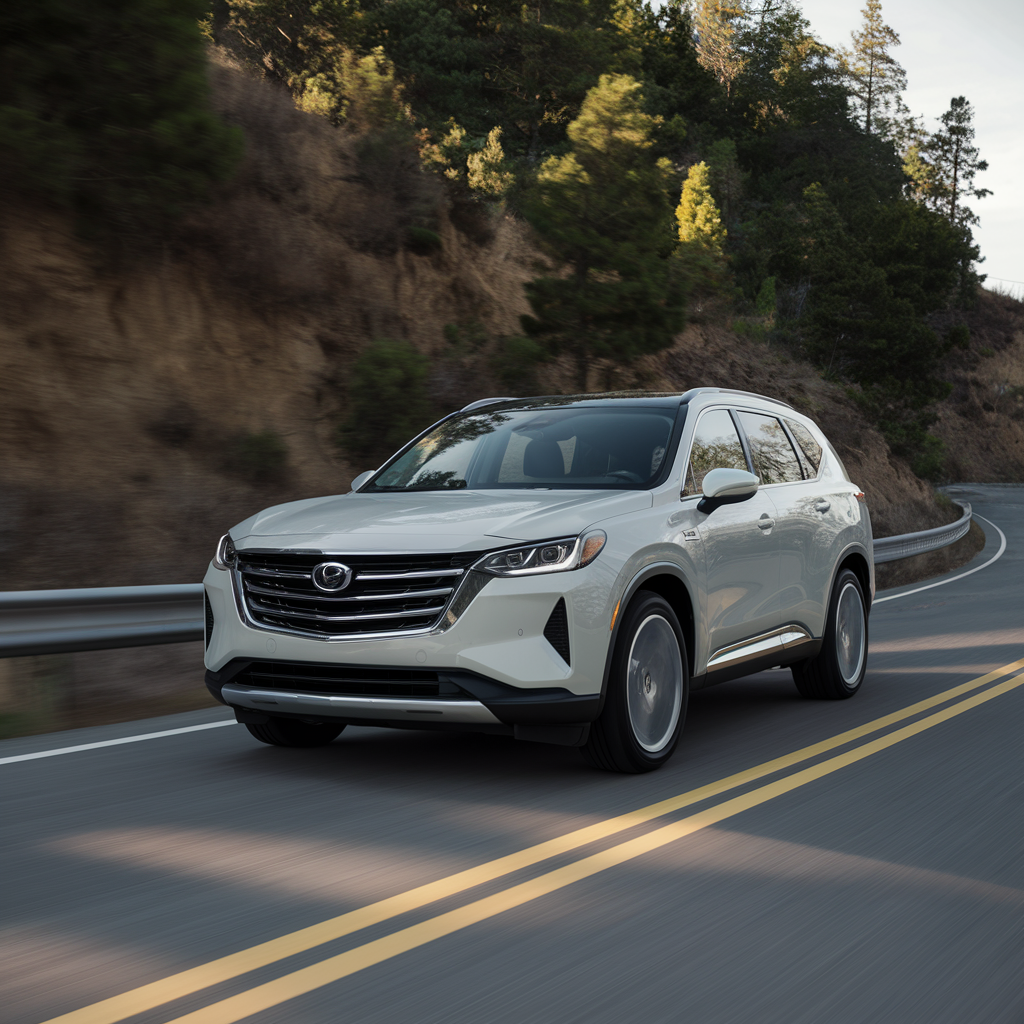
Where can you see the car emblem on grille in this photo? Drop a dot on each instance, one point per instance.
(331, 576)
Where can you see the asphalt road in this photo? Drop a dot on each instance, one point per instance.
(876, 878)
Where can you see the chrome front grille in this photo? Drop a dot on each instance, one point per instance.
(387, 593)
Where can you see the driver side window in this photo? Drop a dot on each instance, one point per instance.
(716, 445)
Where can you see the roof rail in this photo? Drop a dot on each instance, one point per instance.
(694, 392)
(484, 401)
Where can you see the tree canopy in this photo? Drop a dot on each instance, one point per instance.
(602, 211)
(806, 192)
(104, 106)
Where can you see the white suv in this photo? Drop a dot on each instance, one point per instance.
(562, 569)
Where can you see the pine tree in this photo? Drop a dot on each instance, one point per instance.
(602, 211)
(945, 165)
(717, 52)
(700, 223)
(726, 177)
(876, 79)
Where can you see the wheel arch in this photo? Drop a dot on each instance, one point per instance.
(856, 561)
(668, 581)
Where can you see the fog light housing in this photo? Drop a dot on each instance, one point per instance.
(225, 556)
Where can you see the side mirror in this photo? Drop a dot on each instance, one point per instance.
(726, 487)
(361, 479)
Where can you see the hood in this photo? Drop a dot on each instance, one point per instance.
(429, 520)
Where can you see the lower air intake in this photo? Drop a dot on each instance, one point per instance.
(209, 618)
(556, 632)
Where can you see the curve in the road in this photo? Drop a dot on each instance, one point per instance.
(953, 579)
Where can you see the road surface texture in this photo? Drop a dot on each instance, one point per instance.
(857, 861)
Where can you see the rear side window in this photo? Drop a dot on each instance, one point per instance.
(716, 445)
(774, 460)
(810, 447)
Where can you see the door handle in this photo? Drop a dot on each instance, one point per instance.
(822, 506)
(765, 522)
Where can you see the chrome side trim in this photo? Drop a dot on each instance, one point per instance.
(747, 650)
(379, 708)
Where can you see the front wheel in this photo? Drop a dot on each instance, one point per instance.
(838, 669)
(645, 705)
(291, 732)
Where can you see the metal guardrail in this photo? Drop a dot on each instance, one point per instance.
(58, 621)
(889, 549)
(61, 621)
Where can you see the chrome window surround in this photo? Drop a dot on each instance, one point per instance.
(469, 585)
(826, 449)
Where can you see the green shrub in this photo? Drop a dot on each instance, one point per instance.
(959, 335)
(765, 301)
(930, 461)
(388, 401)
(515, 361)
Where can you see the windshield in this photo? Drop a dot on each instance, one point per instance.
(587, 448)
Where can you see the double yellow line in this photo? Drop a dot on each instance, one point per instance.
(296, 983)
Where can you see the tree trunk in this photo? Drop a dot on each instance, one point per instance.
(956, 173)
(581, 346)
(867, 106)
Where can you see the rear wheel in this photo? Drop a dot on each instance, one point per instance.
(838, 669)
(648, 687)
(290, 732)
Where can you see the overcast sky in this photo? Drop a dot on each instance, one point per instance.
(972, 48)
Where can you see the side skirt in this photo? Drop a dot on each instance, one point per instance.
(783, 646)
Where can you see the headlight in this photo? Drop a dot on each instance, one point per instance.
(551, 556)
(225, 556)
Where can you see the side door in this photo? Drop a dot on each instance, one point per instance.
(741, 546)
(806, 543)
(827, 506)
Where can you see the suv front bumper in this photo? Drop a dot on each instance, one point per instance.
(493, 667)
(329, 691)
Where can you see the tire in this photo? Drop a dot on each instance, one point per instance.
(290, 732)
(838, 669)
(645, 704)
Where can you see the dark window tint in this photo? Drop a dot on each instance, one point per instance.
(610, 448)
(775, 462)
(716, 445)
(810, 447)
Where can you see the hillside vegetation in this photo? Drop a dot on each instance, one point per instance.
(148, 405)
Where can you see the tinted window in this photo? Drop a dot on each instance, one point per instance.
(716, 445)
(587, 448)
(810, 447)
(774, 460)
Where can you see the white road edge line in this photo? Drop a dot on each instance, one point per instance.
(953, 579)
(113, 743)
